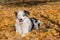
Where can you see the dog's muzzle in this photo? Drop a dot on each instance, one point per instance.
(20, 21)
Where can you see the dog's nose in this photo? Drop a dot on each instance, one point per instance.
(20, 19)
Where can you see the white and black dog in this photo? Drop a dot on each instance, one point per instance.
(24, 24)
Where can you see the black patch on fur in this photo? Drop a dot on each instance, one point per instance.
(32, 24)
(27, 13)
(32, 20)
(35, 20)
(38, 24)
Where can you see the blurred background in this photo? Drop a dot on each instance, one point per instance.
(24, 1)
(47, 11)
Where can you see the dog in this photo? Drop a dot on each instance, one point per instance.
(24, 24)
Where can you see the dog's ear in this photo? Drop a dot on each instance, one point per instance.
(27, 13)
(16, 13)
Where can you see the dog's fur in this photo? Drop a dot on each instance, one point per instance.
(35, 24)
(27, 23)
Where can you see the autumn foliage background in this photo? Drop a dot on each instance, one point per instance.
(48, 14)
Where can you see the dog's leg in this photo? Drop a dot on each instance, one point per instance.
(24, 30)
(18, 29)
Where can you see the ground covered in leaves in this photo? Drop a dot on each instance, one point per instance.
(48, 14)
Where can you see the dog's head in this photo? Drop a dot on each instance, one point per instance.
(21, 15)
